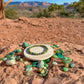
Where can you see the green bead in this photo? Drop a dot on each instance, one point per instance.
(8, 56)
(65, 69)
(34, 64)
(21, 59)
(59, 51)
(25, 45)
(12, 53)
(26, 63)
(28, 68)
(56, 46)
(19, 50)
(18, 57)
(55, 56)
(48, 60)
(15, 51)
(60, 55)
(54, 63)
(65, 58)
(28, 73)
(65, 61)
(72, 65)
(4, 59)
(46, 65)
(69, 59)
(53, 46)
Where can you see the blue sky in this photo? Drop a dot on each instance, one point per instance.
(51, 1)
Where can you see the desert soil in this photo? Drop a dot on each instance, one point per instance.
(68, 33)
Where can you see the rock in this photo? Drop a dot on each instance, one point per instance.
(11, 61)
(52, 81)
(40, 64)
(10, 81)
(37, 81)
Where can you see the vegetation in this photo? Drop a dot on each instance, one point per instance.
(10, 13)
(74, 10)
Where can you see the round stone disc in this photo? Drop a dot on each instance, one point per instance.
(38, 49)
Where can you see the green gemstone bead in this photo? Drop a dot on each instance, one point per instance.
(56, 46)
(65, 69)
(34, 64)
(19, 50)
(21, 59)
(48, 60)
(18, 57)
(53, 46)
(55, 56)
(4, 59)
(12, 53)
(8, 56)
(60, 55)
(69, 59)
(26, 45)
(72, 65)
(54, 63)
(65, 58)
(46, 65)
(26, 63)
(29, 68)
(65, 61)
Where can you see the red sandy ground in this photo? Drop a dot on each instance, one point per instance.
(68, 33)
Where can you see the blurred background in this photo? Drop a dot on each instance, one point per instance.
(45, 8)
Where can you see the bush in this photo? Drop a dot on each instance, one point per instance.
(10, 13)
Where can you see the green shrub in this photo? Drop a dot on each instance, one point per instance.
(10, 13)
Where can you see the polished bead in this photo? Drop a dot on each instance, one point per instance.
(18, 57)
(12, 53)
(60, 55)
(8, 56)
(26, 63)
(46, 65)
(65, 69)
(21, 59)
(19, 50)
(29, 68)
(72, 65)
(66, 65)
(4, 59)
(69, 59)
(34, 64)
(55, 56)
(54, 63)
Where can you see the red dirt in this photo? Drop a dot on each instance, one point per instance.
(68, 33)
